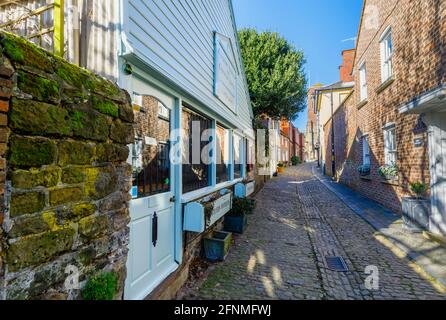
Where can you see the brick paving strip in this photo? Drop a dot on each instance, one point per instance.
(427, 254)
(298, 222)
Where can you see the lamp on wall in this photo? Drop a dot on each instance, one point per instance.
(421, 127)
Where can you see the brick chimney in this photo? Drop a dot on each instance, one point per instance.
(347, 65)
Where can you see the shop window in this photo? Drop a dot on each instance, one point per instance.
(238, 151)
(150, 152)
(222, 165)
(250, 159)
(196, 161)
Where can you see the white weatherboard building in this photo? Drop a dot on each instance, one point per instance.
(182, 59)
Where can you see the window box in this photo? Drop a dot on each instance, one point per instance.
(244, 189)
(216, 247)
(200, 215)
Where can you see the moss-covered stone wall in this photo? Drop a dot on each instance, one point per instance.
(64, 177)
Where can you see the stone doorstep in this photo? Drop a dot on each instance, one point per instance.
(422, 261)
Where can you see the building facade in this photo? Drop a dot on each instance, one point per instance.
(394, 118)
(181, 64)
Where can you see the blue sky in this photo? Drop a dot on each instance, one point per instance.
(319, 28)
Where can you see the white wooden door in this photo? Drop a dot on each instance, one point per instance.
(437, 145)
(151, 256)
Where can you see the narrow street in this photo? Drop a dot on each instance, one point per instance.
(297, 223)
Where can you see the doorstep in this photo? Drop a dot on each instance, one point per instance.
(428, 255)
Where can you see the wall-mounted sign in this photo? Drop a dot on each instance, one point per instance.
(418, 142)
(225, 71)
(150, 141)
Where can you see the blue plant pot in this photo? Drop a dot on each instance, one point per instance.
(216, 247)
(236, 224)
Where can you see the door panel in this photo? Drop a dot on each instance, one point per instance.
(437, 145)
(152, 228)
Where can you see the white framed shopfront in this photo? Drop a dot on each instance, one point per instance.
(144, 81)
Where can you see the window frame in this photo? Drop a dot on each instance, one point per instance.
(366, 158)
(390, 154)
(386, 55)
(210, 174)
(363, 87)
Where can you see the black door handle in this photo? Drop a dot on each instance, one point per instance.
(155, 229)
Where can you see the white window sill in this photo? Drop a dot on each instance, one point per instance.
(198, 194)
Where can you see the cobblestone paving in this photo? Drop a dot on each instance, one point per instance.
(297, 223)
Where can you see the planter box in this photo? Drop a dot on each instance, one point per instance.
(236, 224)
(280, 169)
(216, 247)
(416, 214)
(195, 219)
(244, 190)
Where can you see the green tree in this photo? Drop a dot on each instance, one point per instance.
(274, 70)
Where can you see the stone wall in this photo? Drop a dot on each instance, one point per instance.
(63, 172)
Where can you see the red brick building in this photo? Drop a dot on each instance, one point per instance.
(393, 118)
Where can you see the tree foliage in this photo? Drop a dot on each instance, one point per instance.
(274, 70)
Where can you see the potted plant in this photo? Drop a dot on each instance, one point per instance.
(281, 167)
(237, 218)
(389, 172)
(295, 160)
(216, 246)
(416, 209)
(364, 170)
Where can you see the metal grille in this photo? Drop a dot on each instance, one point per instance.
(155, 177)
(336, 264)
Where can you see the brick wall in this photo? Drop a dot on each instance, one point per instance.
(419, 56)
(347, 65)
(66, 210)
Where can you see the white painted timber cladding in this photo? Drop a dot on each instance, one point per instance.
(176, 38)
(91, 31)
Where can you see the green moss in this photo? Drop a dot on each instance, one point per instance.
(28, 224)
(31, 152)
(101, 287)
(100, 182)
(73, 175)
(94, 227)
(65, 196)
(26, 203)
(122, 132)
(13, 51)
(75, 152)
(23, 52)
(38, 118)
(47, 177)
(105, 106)
(40, 88)
(108, 152)
(37, 249)
(89, 124)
